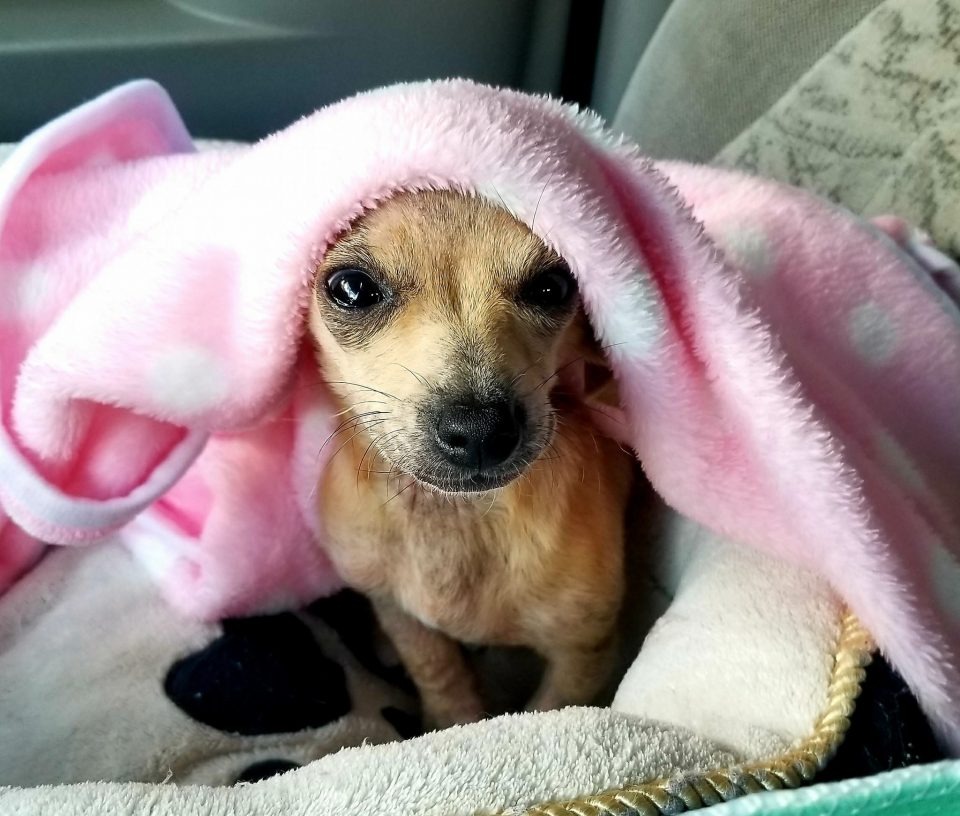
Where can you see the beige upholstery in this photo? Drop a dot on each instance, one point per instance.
(875, 124)
(714, 66)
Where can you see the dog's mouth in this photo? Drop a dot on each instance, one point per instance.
(460, 483)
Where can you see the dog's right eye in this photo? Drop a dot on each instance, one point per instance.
(354, 289)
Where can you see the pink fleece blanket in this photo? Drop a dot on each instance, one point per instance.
(790, 375)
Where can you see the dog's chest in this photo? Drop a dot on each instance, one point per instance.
(453, 567)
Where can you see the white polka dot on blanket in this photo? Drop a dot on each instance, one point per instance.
(945, 580)
(749, 248)
(33, 293)
(187, 379)
(633, 325)
(872, 332)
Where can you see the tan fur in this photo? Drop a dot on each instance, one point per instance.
(537, 562)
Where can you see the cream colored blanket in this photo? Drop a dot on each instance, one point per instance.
(737, 668)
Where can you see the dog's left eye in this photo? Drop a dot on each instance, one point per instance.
(551, 288)
(354, 289)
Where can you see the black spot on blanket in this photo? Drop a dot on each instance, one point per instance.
(351, 616)
(887, 729)
(266, 769)
(264, 675)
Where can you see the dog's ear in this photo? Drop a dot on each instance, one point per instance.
(587, 379)
(590, 378)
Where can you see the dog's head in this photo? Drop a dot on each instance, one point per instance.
(443, 324)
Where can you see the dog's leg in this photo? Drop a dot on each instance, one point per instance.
(575, 673)
(448, 690)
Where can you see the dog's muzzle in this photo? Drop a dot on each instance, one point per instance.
(479, 439)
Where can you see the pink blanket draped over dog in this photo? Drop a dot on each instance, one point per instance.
(790, 375)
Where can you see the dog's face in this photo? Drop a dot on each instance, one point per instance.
(441, 322)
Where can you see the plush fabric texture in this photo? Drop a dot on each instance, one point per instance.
(510, 761)
(93, 687)
(88, 648)
(726, 655)
(90, 657)
(99, 681)
(790, 375)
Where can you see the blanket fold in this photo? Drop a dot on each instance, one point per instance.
(790, 375)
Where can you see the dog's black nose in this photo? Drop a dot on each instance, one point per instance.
(479, 437)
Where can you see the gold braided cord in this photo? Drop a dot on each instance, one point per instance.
(679, 794)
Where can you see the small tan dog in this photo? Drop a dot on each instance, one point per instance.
(470, 497)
